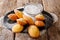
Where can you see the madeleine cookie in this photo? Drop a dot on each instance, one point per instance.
(12, 17)
(33, 31)
(21, 21)
(28, 19)
(39, 23)
(40, 17)
(17, 28)
(18, 13)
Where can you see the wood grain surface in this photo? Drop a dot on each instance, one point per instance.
(53, 6)
(49, 6)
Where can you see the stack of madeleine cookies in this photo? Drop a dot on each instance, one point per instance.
(22, 20)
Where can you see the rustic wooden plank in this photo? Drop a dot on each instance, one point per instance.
(24, 2)
(51, 5)
(25, 36)
(7, 5)
(21, 3)
(54, 7)
(1, 5)
(53, 33)
(5, 34)
(35, 1)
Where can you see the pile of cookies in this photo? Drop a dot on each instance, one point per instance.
(22, 20)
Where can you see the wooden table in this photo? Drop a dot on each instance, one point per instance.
(49, 5)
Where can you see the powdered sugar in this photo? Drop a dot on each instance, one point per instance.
(33, 9)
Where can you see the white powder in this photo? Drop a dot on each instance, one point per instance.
(33, 9)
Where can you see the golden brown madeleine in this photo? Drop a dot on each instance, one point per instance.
(12, 17)
(21, 21)
(33, 31)
(18, 13)
(28, 19)
(40, 17)
(17, 28)
(39, 23)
